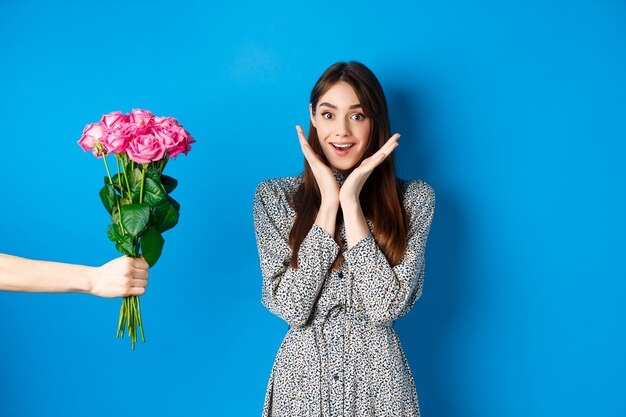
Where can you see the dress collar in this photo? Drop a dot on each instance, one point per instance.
(340, 176)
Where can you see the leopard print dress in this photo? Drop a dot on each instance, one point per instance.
(341, 356)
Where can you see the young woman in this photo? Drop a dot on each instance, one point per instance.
(342, 256)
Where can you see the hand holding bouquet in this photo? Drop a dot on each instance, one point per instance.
(137, 196)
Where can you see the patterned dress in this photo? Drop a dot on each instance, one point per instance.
(341, 356)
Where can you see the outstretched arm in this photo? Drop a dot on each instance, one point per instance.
(123, 276)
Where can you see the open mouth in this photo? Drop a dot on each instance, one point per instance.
(342, 146)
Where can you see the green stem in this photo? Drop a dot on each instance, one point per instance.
(117, 162)
(131, 321)
(119, 182)
(121, 327)
(119, 177)
(135, 318)
(143, 338)
(106, 165)
(119, 323)
(135, 247)
(163, 163)
(130, 317)
(143, 180)
(127, 183)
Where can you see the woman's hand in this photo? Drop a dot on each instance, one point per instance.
(329, 189)
(352, 186)
(356, 225)
(120, 277)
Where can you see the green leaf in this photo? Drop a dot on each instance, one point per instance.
(114, 233)
(128, 167)
(169, 183)
(151, 172)
(164, 216)
(175, 203)
(135, 217)
(153, 192)
(135, 184)
(125, 245)
(151, 245)
(115, 182)
(114, 179)
(115, 215)
(107, 195)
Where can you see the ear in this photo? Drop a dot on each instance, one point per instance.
(312, 116)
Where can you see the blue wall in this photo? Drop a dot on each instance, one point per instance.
(514, 111)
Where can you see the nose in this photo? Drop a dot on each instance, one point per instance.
(343, 128)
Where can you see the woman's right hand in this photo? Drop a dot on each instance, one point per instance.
(327, 183)
(329, 189)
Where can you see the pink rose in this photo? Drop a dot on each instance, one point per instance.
(184, 140)
(116, 140)
(141, 117)
(176, 139)
(179, 142)
(166, 131)
(165, 120)
(114, 119)
(92, 137)
(145, 148)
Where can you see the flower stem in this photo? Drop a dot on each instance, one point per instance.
(163, 163)
(135, 247)
(119, 182)
(119, 177)
(117, 162)
(106, 165)
(143, 338)
(121, 326)
(143, 180)
(130, 313)
(127, 183)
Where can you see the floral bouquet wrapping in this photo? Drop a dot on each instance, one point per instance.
(137, 196)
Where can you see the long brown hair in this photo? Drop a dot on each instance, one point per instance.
(380, 196)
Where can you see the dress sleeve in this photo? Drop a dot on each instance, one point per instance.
(389, 292)
(289, 293)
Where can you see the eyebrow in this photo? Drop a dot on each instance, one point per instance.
(332, 106)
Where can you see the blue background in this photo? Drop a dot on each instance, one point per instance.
(513, 111)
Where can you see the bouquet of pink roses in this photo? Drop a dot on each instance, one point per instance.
(137, 197)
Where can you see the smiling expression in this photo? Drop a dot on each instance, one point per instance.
(342, 127)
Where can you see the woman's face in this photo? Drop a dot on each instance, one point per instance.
(342, 127)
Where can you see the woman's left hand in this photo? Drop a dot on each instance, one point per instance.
(352, 186)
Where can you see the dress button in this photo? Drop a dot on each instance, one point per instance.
(336, 377)
(340, 275)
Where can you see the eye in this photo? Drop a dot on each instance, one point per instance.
(358, 116)
(327, 115)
